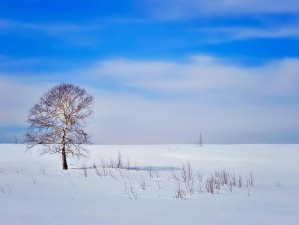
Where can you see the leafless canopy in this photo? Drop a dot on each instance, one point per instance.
(58, 120)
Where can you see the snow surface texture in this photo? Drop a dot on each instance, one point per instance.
(149, 186)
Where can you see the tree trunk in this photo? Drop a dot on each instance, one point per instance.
(64, 163)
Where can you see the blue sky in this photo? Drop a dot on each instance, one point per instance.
(161, 71)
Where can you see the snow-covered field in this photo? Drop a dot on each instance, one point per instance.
(262, 186)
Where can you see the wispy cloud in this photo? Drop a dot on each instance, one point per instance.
(223, 34)
(51, 28)
(177, 9)
(72, 33)
(201, 73)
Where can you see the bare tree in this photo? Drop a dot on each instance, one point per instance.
(15, 138)
(200, 140)
(58, 120)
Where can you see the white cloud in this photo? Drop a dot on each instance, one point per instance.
(71, 33)
(201, 73)
(50, 28)
(223, 34)
(225, 102)
(122, 67)
(16, 99)
(178, 9)
(126, 119)
(282, 77)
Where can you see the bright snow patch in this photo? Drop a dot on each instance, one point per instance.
(146, 189)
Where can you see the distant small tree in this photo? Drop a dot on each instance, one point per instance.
(200, 140)
(58, 120)
(15, 138)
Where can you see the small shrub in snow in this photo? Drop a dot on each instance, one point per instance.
(150, 173)
(42, 171)
(132, 193)
(240, 182)
(210, 185)
(6, 188)
(248, 189)
(277, 184)
(143, 185)
(179, 192)
(175, 176)
(34, 181)
(187, 173)
(2, 188)
(97, 170)
(119, 163)
(190, 187)
(128, 166)
(251, 179)
(199, 176)
(159, 185)
(157, 174)
(233, 180)
(223, 177)
(134, 196)
(84, 170)
(115, 163)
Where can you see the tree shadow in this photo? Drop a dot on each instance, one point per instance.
(154, 168)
